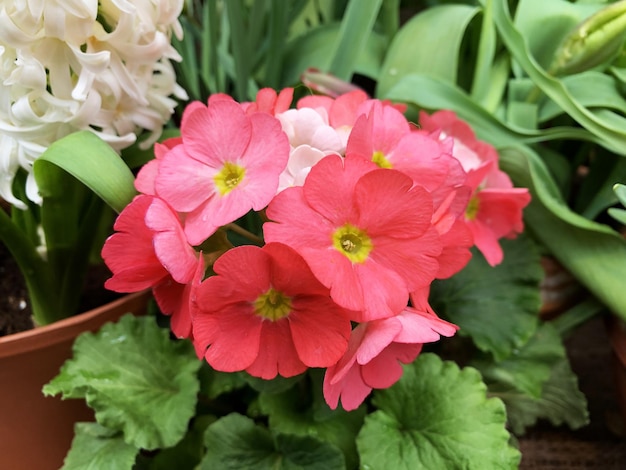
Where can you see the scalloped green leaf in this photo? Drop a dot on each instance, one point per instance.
(235, 442)
(561, 401)
(436, 416)
(495, 306)
(528, 368)
(95, 447)
(293, 412)
(136, 379)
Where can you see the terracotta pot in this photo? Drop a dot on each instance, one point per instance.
(36, 431)
(616, 328)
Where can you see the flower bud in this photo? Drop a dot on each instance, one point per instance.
(595, 41)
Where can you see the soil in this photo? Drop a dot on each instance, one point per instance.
(15, 312)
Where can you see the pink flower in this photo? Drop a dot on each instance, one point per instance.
(268, 101)
(375, 353)
(495, 208)
(265, 313)
(366, 233)
(228, 164)
(144, 182)
(149, 250)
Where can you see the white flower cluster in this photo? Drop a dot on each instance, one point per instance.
(68, 65)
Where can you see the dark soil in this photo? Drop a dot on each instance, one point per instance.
(15, 312)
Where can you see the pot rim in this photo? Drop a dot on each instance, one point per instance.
(62, 330)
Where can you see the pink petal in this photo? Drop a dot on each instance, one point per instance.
(277, 355)
(320, 330)
(184, 182)
(385, 370)
(236, 344)
(378, 336)
(170, 244)
(352, 390)
(389, 205)
(329, 188)
(216, 134)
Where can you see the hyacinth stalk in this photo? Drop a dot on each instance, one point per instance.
(100, 67)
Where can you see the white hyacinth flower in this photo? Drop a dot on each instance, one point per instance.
(69, 65)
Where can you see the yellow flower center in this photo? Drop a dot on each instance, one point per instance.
(353, 243)
(272, 305)
(379, 158)
(472, 208)
(229, 177)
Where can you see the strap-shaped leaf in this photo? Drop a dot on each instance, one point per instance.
(93, 162)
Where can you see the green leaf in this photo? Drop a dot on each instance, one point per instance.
(276, 385)
(423, 46)
(561, 401)
(236, 443)
(214, 383)
(603, 125)
(95, 447)
(356, 26)
(436, 416)
(496, 306)
(528, 368)
(594, 253)
(315, 49)
(544, 25)
(433, 94)
(291, 413)
(93, 162)
(135, 378)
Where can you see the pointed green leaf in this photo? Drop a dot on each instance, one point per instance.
(561, 401)
(496, 306)
(95, 447)
(436, 416)
(423, 46)
(135, 378)
(93, 162)
(356, 27)
(236, 443)
(433, 94)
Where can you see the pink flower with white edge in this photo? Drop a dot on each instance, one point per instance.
(149, 250)
(495, 208)
(229, 163)
(265, 313)
(365, 232)
(375, 353)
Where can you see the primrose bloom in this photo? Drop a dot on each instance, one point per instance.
(375, 353)
(495, 208)
(365, 232)
(92, 65)
(149, 250)
(265, 313)
(228, 163)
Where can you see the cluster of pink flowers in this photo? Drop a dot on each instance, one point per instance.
(363, 211)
